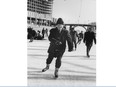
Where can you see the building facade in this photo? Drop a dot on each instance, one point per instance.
(39, 13)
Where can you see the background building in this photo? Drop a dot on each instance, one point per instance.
(40, 13)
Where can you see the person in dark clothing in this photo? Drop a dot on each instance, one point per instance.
(29, 30)
(31, 34)
(58, 37)
(74, 36)
(89, 37)
(43, 32)
(39, 36)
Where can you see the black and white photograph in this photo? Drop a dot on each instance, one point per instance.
(61, 42)
(57, 43)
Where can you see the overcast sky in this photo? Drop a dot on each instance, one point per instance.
(75, 11)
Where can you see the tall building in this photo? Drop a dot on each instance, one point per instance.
(39, 12)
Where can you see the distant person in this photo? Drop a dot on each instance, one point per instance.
(74, 36)
(31, 33)
(80, 37)
(46, 32)
(89, 37)
(39, 36)
(34, 34)
(29, 30)
(58, 37)
(43, 32)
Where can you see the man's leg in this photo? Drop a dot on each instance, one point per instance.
(75, 44)
(79, 40)
(58, 64)
(90, 46)
(48, 61)
(88, 49)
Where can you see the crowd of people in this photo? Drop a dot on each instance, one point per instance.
(36, 35)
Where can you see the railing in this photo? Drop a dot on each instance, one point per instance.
(80, 25)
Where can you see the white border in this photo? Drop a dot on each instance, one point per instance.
(106, 43)
(13, 43)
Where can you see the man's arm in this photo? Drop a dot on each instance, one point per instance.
(51, 36)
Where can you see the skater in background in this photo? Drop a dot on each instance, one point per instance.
(43, 32)
(31, 34)
(89, 37)
(58, 37)
(39, 36)
(80, 37)
(74, 36)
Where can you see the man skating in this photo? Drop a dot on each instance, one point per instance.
(58, 37)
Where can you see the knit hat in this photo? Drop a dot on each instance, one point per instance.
(59, 21)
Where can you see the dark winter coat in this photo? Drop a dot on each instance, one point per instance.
(58, 41)
(89, 37)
